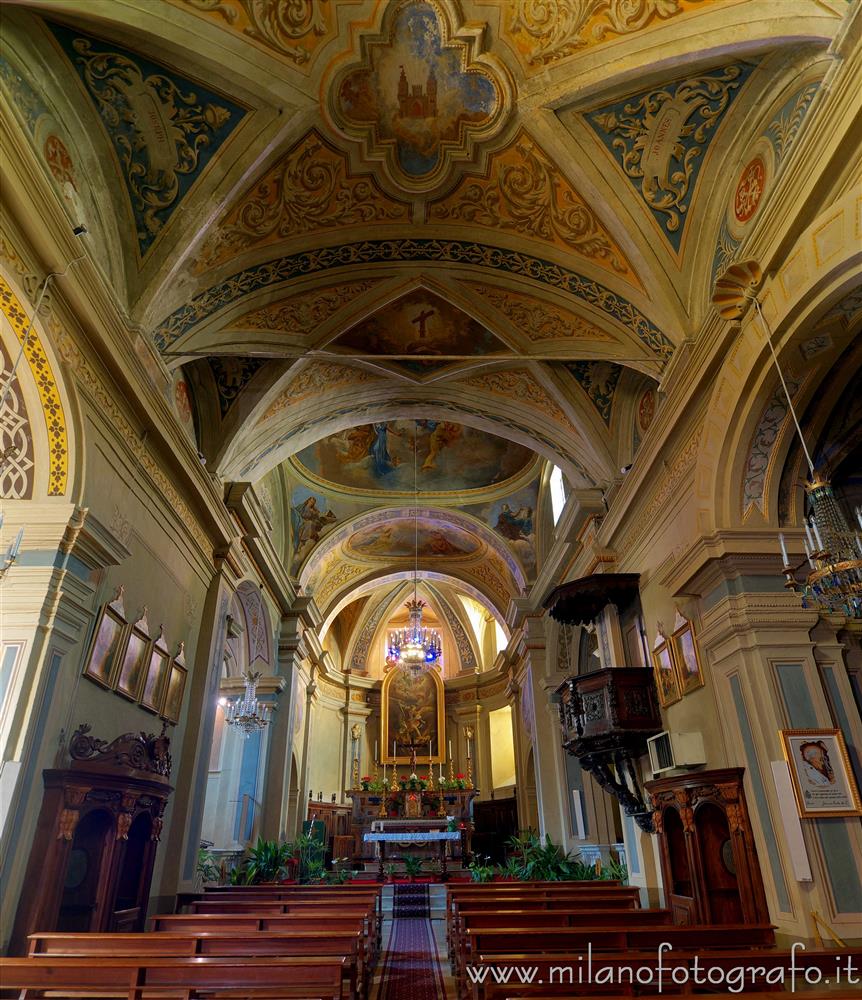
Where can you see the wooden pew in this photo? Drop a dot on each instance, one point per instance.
(299, 944)
(311, 909)
(545, 896)
(468, 920)
(177, 977)
(243, 924)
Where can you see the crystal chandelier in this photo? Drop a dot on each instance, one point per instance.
(834, 552)
(833, 549)
(415, 648)
(247, 713)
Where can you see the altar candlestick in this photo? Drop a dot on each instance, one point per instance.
(450, 749)
(375, 750)
(394, 750)
(429, 752)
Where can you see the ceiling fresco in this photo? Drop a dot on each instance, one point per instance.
(402, 538)
(482, 227)
(421, 324)
(417, 98)
(379, 458)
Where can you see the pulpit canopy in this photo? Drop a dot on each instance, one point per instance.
(581, 601)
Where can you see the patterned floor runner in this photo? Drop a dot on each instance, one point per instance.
(411, 969)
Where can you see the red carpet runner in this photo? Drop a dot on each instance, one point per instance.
(412, 968)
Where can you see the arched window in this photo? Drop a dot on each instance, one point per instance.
(558, 492)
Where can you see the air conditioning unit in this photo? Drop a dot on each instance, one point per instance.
(670, 750)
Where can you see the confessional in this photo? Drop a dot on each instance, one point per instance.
(98, 831)
(709, 861)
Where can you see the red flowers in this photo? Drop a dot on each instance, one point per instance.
(460, 777)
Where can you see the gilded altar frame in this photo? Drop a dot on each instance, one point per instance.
(439, 757)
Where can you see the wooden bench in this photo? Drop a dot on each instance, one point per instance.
(310, 909)
(239, 924)
(300, 943)
(468, 920)
(566, 896)
(178, 978)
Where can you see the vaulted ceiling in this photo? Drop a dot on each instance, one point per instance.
(354, 227)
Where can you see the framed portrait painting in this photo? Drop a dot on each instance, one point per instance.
(106, 647)
(664, 669)
(687, 657)
(158, 668)
(173, 705)
(133, 664)
(820, 772)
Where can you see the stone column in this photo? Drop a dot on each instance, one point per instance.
(191, 757)
(50, 599)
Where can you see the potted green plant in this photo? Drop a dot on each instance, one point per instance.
(390, 870)
(412, 866)
(207, 870)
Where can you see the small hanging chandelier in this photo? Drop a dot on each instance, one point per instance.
(247, 713)
(833, 549)
(415, 648)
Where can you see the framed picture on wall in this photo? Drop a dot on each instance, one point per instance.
(823, 782)
(176, 688)
(664, 669)
(133, 666)
(106, 648)
(158, 669)
(686, 655)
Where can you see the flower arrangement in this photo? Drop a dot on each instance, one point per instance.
(413, 782)
(459, 782)
(369, 784)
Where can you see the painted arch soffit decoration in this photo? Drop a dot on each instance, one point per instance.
(205, 306)
(418, 94)
(475, 538)
(660, 139)
(164, 128)
(391, 586)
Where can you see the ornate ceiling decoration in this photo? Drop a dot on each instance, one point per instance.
(537, 320)
(309, 190)
(301, 314)
(420, 94)
(292, 29)
(545, 32)
(524, 193)
(419, 335)
(660, 138)
(164, 128)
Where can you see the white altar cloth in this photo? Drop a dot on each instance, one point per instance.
(403, 838)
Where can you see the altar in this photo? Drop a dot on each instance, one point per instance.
(412, 811)
(441, 838)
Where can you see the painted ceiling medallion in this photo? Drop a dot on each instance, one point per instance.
(422, 94)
